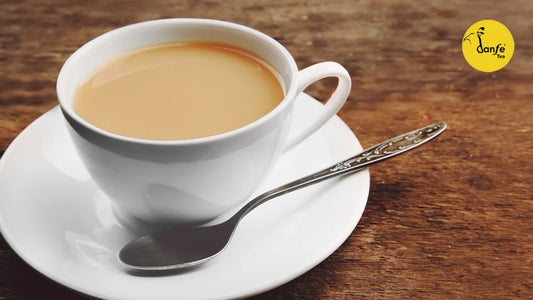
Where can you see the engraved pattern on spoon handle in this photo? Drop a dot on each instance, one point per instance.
(372, 155)
(391, 147)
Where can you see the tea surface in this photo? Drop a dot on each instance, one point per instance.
(177, 91)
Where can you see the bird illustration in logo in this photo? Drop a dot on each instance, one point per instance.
(478, 33)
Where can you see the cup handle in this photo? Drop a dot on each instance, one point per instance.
(314, 73)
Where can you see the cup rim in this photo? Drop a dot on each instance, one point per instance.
(68, 110)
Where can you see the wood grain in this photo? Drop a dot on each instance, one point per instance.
(451, 220)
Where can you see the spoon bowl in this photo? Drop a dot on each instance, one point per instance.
(177, 247)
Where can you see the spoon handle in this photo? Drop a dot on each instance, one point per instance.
(372, 155)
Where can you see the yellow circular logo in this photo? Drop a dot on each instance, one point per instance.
(488, 45)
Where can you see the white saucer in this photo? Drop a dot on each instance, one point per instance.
(55, 218)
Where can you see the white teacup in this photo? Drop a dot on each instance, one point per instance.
(189, 180)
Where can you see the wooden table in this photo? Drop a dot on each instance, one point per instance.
(450, 220)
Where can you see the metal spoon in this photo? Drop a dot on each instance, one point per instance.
(178, 247)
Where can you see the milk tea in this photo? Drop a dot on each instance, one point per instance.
(178, 91)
